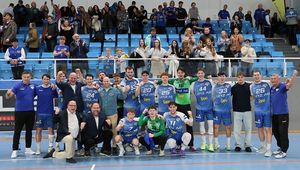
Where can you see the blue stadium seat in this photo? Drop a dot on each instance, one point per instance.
(268, 47)
(5, 70)
(257, 46)
(290, 67)
(93, 54)
(277, 54)
(95, 46)
(171, 30)
(173, 37)
(35, 55)
(274, 68)
(259, 38)
(248, 36)
(264, 60)
(261, 66)
(46, 55)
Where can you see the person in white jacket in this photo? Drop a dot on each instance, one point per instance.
(248, 53)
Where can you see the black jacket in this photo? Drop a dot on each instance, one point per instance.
(62, 119)
(78, 51)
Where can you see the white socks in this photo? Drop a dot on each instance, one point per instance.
(51, 140)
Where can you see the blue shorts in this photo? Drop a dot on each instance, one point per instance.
(176, 137)
(202, 114)
(128, 139)
(44, 121)
(262, 120)
(222, 116)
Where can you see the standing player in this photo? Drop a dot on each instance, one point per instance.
(261, 95)
(128, 128)
(45, 109)
(120, 103)
(222, 109)
(175, 128)
(202, 89)
(146, 92)
(131, 101)
(165, 93)
(89, 94)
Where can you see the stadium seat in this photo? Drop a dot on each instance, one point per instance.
(277, 54)
(259, 38)
(35, 55)
(5, 70)
(290, 67)
(46, 55)
(248, 36)
(257, 46)
(93, 54)
(171, 30)
(264, 60)
(268, 47)
(261, 66)
(274, 68)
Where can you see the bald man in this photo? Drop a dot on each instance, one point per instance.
(280, 111)
(79, 49)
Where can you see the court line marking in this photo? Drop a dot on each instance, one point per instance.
(93, 167)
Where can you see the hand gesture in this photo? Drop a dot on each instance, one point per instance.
(108, 121)
(127, 88)
(145, 111)
(151, 135)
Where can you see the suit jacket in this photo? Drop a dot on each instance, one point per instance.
(9, 32)
(90, 130)
(62, 119)
(68, 94)
(74, 49)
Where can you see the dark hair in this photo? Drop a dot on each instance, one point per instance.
(152, 107)
(172, 103)
(181, 69)
(96, 103)
(145, 72)
(89, 75)
(175, 50)
(26, 72)
(221, 74)
(241, 74)
(46, 75)
(116, 75)
(128, 68)
(200, 69)
(14, 40)
(131, 110)
(256, 71)
(164, 74)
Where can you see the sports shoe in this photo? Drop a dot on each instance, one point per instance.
(149, 152)
(237, 149)
(161, 153)
(211, 148)
(173, 151)
(216, 146)
(50, 148)
(248, 149)
(182, 152)
(121, 152)
(128, 148)
(277, 151)
(203, 146)
(49, 154)
(38, 152)
(280, 155)
(262, 150)
(268, 153)
(81, 152)
(228, 148)
(28, 151)
(14, 154)
(71, 160)
(192, 149)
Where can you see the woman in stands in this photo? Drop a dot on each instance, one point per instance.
(140, 52)
(189, 37)
(174, 53)
(236, 41)
(33, 38)
(67, 31)
(157, 54)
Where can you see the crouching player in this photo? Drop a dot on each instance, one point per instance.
(128, 128)
(155, 134)
(175, 122)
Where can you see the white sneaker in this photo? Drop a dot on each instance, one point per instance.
(137, 151)
(262, 150)
(268, 153)
(50, 148)
(14, 154)
(128, 148)
(277, 151)
(280, 155)
(216, 146)
(28, 151)
(122, 151)
(38, 152)
(149, 152)
(161, 153)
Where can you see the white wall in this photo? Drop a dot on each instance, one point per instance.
(206, 7)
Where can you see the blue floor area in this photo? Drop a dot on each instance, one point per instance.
(221, 160)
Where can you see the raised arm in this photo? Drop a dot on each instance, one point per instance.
(291, 81)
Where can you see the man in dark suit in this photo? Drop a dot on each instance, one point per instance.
(79, 49)
(96, 129)
(68, 130)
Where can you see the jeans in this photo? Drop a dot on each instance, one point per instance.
(239, 119)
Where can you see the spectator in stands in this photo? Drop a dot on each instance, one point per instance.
(157, 53)
(24, 112)
(173, 55)
(140, 52)
(259, 16)
(16, 56)
(171, 15)
(56, 12)
(193, 12)
(208, 24)
(224, 14)
(122, 63)
(79, 49)
(192, 25)
(291, 23)
(275, 24)
(239, 13)
(153, 15)
(186, 54)
(44, 11)
(96, 19)
(137, 26)
(130, 9)
(267, 24)
(189, 37)
(68, 131)
(33, 38)
(160, 20)
(236, 41)
(248, 53)
(85, 21)
(61, 51)
(9, 9)
(9, 31)
(206, 35)
(143, 12)
(96, 128)
(122, 20)
(181, 15)
(107, 22)
(236, 22)
(223, 47)
(108, 62)
(50, 34)
(20, 14)
(211, 58)
(248, 17)
(35, 14)
(67, 30)
(149, 40)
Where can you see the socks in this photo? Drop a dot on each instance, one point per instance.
(216, 141)
(203, 137)
(268, 146)
(228, 141)
(38, 146)
(210, 139)
(51, 140)
(262, 143)
(120, 145)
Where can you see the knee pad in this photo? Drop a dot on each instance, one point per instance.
(210, 127)
(186, 138)
(171, 143)
(202, 128)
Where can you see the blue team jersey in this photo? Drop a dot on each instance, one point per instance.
(222, 97)
(175, 125)
(59, 48)
(147, 95)
(131, 100)
(203, 93)
(25, 94)
(45, 96)
(165, 94)
(130, 128)
(90, 95)
(261, 95)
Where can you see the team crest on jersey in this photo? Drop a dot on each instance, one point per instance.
(207, 83)
(265, 85)
(32, 86)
